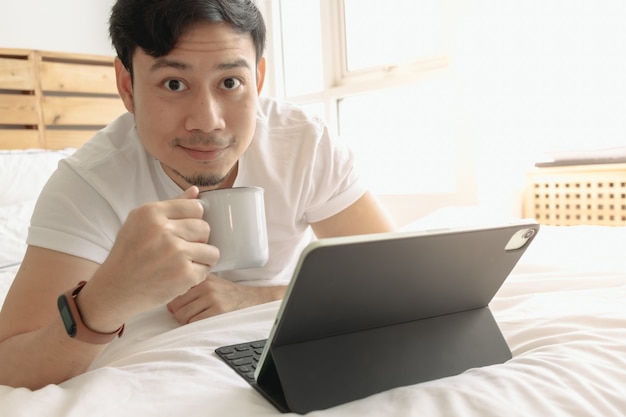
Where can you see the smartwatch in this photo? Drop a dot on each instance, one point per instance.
(73, 321)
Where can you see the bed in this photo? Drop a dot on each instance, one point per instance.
(562, 311)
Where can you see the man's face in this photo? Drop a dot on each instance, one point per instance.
(195, 108)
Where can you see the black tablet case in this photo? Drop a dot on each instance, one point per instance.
(390, 310)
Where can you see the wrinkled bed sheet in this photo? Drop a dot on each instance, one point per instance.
(562, 311)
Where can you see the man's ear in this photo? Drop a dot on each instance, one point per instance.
(124, 85)
(260, 75)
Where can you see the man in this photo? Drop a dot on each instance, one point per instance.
(121, 218)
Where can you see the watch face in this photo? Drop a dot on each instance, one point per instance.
(66, 316)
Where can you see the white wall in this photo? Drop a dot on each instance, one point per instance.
(537, 76)
(79, 26)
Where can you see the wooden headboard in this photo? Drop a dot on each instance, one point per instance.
(53, 100)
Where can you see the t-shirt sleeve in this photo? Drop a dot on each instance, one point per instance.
(334, 184)
(71, 217)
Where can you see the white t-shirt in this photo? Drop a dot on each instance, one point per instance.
(307, 177)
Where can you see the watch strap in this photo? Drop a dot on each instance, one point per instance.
(73, 321)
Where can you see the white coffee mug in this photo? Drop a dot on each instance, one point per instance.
(238, 226)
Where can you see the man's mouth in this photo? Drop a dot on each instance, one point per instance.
(201, 154)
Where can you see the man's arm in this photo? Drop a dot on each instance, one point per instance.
(35, 348)
(216, 295)
(366, 215)
(159, 253)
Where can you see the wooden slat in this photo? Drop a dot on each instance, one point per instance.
(19, 139)
(60, 139)
(16, 74)
(18, 109)
(81, 111)
(77, 78)
(75, 57)
(71, 95)
(15, 52)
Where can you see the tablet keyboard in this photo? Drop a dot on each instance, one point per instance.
(243, 357)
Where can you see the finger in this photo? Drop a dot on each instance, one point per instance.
(179, 306)
(185, 205)
(184, 306)
(190, 265)
(196, 310)
(194, 273)
(203, 254)
(190, 304)
(180, 208)
(192, 230)
(206, 313)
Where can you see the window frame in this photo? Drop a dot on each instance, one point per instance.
(338, 82)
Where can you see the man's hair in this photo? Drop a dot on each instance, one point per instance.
(156, 25)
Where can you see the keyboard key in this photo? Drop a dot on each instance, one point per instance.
(243, 361)
(243, 357)
(243, 347)
(245, 369)
(241, 354)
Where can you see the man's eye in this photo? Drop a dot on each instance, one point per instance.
(175, 85)
(231, 83)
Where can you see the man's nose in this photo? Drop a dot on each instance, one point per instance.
(205, 113)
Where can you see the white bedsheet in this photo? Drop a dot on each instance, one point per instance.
(562, 311)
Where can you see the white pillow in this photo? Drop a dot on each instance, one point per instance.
(14, 223)
(23, 173)
(6, 279)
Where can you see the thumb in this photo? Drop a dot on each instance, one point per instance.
(190, 193)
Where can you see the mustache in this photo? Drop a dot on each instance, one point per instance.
(203, 139)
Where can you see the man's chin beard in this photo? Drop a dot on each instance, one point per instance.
(202, 181)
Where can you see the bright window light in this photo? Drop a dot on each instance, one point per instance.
(384, 33)
(403, 138)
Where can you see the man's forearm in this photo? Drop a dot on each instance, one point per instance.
(44, 356)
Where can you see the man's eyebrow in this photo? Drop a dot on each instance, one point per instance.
(170, 63)
(238, 63)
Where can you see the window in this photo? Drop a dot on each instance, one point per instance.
(301, 47)
(376, 71)
(387, 33)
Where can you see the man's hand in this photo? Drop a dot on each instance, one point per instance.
(160, 252)
(216, 295)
